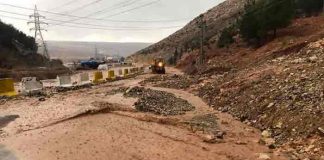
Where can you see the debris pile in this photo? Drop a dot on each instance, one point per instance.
(206, 123)
(284, 96)
(172, 81)
(118, 90)
(158, 102)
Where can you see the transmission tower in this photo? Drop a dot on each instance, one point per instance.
(36, 20)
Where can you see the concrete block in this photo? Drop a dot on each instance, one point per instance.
(64, 81)
(120, 72)
(132, 70)
(84, 78)
(7, 87)
(30, 85)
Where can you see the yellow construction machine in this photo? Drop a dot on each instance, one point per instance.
(158, 66)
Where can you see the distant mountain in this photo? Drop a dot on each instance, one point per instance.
(72, 51)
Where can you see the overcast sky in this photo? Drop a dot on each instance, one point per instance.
(142, 20)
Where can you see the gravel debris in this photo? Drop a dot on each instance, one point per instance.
(284, 96)
(158, 102)
(172, 81)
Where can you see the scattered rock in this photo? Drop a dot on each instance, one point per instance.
(270, 105)
(264, 156)
(240, 143)
(279, 125)
(212, 139)
(42, 99)
(269, 142)
(266, 134)
(321, 130)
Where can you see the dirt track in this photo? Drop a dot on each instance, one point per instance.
(41, 131)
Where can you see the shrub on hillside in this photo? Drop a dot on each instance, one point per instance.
(310, 7)
(226, 37)
(265, 15)
(8, 34)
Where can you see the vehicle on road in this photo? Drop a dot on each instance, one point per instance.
(158, 66)
(90, 64)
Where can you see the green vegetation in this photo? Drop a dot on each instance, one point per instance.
(8, 34)
(226, 37)
(310, 7)
(266, 15)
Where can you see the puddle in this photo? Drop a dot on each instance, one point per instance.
(5, 120)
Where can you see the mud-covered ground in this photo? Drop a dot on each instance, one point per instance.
(100, 122)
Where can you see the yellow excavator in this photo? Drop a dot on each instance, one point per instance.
(158, 66)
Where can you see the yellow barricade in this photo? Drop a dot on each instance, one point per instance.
(7, 87)
(98, 77)
(111, 74)
(126, 72)
(132, 70)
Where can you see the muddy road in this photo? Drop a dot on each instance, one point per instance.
(100, 123)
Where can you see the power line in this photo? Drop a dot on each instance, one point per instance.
(84, 6)
(119, 13)
(124, 4)
(123, 29)
(138, 7)
(65, 4)
(111, 8)
(108, 29)
(97, 19)
(86, 24)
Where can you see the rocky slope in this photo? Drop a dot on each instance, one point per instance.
(188, 38)
(277, 88)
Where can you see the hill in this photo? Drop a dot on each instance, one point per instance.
(188, 38)
(18, 57)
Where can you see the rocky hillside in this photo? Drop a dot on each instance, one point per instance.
(188, 38)
(277, 88)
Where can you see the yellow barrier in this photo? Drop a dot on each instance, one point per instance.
(133, 70)
(98, 77)
(111, 74)
(126, 72)
(7, 87)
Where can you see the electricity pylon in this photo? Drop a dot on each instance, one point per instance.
(39, 39)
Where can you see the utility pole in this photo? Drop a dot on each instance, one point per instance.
(39, 39)
(202, 25)
(96, 53)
